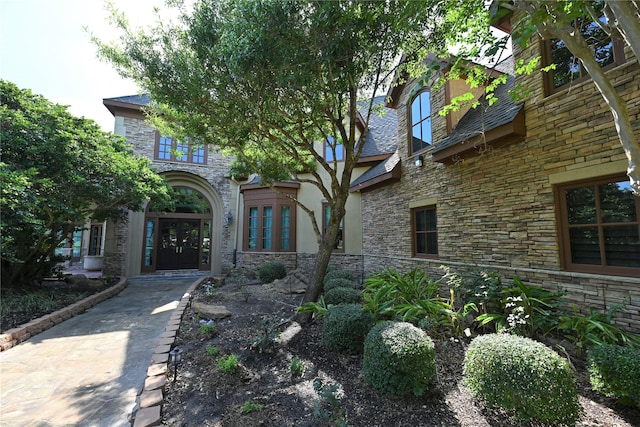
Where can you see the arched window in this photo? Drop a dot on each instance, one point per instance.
(420, 119)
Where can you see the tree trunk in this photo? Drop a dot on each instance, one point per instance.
(627, 23)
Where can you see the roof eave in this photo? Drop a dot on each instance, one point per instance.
(390, 177)
(500, 136)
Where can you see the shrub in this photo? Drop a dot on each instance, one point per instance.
(212, 350)
(337, 274)
(399, 358)
(265, 340)
(337, 296)
(228, 364)
(270, 271)
(296, 367)
(339, 282)
(615, 371)
(250, 406)
(517, 373)
(344, 328)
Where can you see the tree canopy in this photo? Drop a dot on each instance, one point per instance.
(267, 80)
(59, 171)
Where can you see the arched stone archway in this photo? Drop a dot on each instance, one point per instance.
(190, 237)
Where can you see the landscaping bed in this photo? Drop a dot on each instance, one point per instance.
(331, 389)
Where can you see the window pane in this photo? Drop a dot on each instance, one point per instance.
(432, 243)
(421, 243)
(197, 153)
(164, 148)
(267, 225)
(426, 132)
(431, 219)
(581, 205)
(415, 111)
(148, 243)
(285, 230)
(182, 151)
(585, 246)
(622, 246)
(421, 220)
(617, 202)
(253, 228)
(425, 105)
(206, 242)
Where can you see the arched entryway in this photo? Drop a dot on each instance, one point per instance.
(182, 237)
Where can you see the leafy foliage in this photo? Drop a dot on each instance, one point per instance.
(336, 274)
(339, 282)
(270, 271)
(615, 371)
(268, 334)
(345, 327)
(318, 308)
(595, 329)
(296, 367)
(330, 408)
(399, 359)
(228, 364)
(519, 374)
(341, 295)
(59, 171)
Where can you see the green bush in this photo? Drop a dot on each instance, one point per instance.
(339, 282)
(399, 358)
(615, 371)
(270, 271)
(337, 274)
(517, 373)
(344, 328)
(337, 296)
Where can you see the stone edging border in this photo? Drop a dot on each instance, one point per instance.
(15, 336)
(151, 397)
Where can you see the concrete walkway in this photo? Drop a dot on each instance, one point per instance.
(88, 370)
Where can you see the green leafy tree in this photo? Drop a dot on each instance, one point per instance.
(267, 81)
(57, 172)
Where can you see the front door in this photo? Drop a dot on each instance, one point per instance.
(178, 244)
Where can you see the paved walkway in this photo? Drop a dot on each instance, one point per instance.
(88, 370)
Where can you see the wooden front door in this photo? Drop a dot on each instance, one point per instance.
(178, 244)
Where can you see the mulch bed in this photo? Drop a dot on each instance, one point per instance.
(203, 395)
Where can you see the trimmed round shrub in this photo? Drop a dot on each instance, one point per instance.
(270, 271)
(339, 282)
(615, 371)
(520, 374)
(399, 359)
(341, 295)
(337, 274)
(344, 328)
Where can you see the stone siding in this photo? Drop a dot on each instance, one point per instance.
(497, 209)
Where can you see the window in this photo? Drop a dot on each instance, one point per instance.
(425, 233)
(599, 227)
(170, 149)
(326, 213)
(95, 239)
(569, 69)
(420, 119)
(269, 219)
(331, 145)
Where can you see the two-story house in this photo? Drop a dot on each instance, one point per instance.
(220, 221)
(535, 188)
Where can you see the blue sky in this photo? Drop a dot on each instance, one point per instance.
(43, 47)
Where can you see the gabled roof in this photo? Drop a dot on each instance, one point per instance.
(494, 125)
(129, 102)
(382, 136)
(384, 172)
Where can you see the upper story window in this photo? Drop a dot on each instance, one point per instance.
(425, 231)
(569, 69)
(420, 119)
(170, 149)
(599, 226)
(333, 150)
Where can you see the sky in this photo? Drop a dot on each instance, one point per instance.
(44, 48)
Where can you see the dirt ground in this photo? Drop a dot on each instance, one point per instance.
(263, 388)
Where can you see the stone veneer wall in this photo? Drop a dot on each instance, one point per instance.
(497, 209)
(300, 261)
(142, 138)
